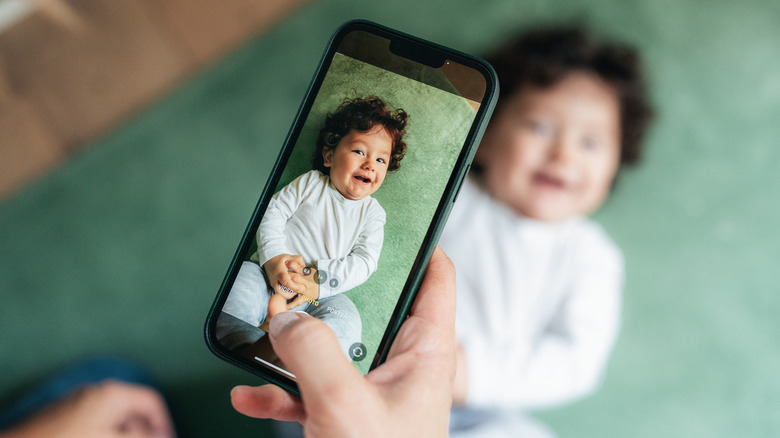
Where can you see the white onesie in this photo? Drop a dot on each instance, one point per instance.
(538, 303)
(310, 218)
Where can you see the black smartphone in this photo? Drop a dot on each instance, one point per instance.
(349, 218)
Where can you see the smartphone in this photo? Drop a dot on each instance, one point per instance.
(346, 224)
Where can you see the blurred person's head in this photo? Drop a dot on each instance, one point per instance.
(571, 112)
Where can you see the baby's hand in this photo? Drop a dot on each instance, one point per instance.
(306, 278)
(278, 270)
(299, 299)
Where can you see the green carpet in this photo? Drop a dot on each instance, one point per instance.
(122, 249)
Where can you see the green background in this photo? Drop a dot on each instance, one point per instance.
(122, 249)
(437, 126)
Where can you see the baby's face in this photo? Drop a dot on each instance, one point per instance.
(358, 164)
(552, 154)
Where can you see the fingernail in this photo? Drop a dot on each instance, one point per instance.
(237, 388)
(281, 321)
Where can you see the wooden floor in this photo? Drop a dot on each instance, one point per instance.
(72, 70)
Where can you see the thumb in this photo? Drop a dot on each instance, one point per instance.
(310, 350)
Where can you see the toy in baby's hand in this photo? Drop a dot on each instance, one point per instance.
(303, 287)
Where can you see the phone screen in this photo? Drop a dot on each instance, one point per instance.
(347, 222)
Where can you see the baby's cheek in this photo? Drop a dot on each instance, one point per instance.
(379, 180)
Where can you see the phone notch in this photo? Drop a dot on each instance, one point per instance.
(427, 56)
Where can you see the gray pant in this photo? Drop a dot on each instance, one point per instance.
(248, 301)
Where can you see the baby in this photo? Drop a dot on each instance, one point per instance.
(539, 284)
(322, 234)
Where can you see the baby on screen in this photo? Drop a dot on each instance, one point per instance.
(322, 234)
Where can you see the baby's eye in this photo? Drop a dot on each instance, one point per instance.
(591, 143)
(540, 128)
(381, 160)
(358, 151)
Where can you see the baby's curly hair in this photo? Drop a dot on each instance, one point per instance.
(543, 57)
(362, 115)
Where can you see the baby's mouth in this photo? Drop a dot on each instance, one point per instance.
(549, 181)
(363, 179)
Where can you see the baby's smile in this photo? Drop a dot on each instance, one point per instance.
(363, 179)
(547, 180)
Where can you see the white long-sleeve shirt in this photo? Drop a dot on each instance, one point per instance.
(538, 303)
(310, 218)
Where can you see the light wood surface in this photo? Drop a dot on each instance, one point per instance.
(73, 70)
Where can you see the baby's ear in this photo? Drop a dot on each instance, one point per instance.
(327, 156)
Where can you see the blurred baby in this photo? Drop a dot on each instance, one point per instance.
(539, 284)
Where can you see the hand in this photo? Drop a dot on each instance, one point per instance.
(278, 270)
(460, 387)
(108, 409)
(300, 299)
(304, 277)
(409, 395)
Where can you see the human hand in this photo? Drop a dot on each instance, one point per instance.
(409, 395)
(306, 278)
(300, 299)
(278, 270)
(105, 410)
(460, 386)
